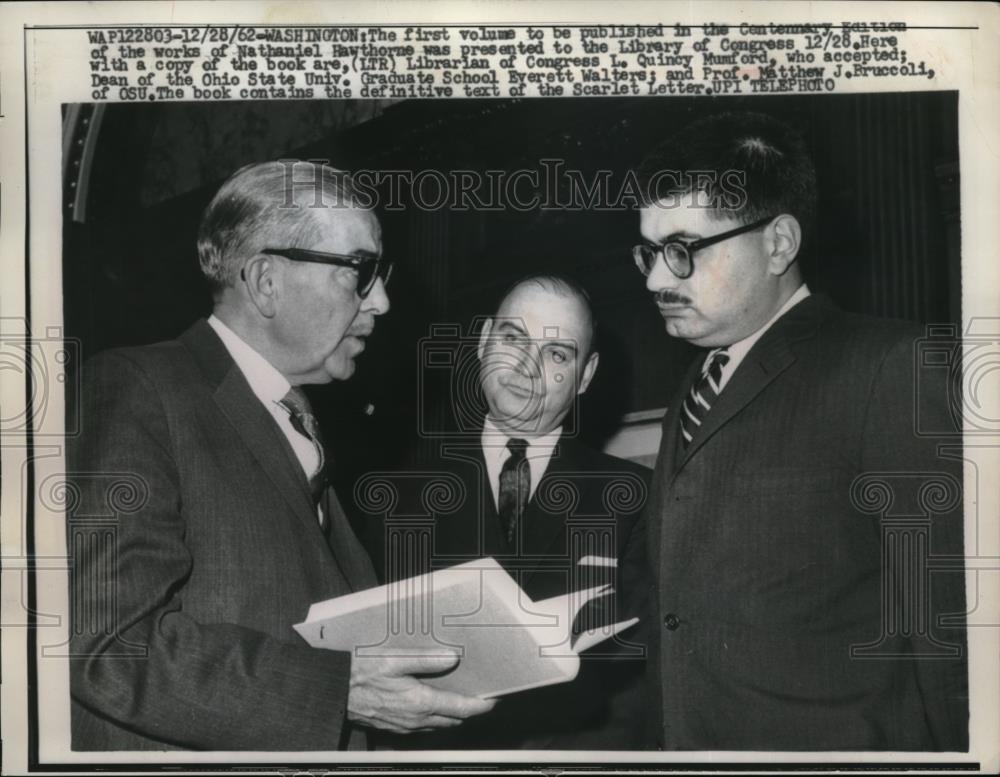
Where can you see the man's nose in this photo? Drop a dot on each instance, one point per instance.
(527, 360)
(660, 277)
(377, 301)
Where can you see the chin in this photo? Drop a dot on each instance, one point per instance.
(676, 328)
(340, 369)
(683, 330)
(519, 411)
(510, 418)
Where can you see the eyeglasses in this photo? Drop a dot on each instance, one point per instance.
(368, 268)
(677, 254)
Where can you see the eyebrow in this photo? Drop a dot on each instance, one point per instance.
(511, 324)
(682, 235)
(569, 345)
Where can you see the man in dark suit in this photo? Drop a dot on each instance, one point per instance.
(786, 615)
(554, 513)
(202, 529)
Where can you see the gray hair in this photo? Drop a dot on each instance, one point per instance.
(266, 203)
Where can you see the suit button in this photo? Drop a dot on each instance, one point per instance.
(671, 621)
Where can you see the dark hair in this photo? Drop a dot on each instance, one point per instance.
(747, 166)
(562, 286)
(266, 202)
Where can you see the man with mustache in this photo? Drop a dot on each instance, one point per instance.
(183, 603)
(776, 616)
(552, 511)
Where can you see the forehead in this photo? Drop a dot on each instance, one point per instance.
(346, 230)
(680, 214)
(544, 314)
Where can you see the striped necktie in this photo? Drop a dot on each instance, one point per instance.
(703, 394)
(305, 423)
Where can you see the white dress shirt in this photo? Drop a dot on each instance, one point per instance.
(738, 351)
(270, 387)
(495, 453)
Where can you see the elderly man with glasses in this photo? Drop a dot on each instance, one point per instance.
(796, 506)
(182, 610)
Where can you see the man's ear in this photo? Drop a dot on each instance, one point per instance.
(785, 244)
(484, 336)
(259, 276)
(588, 372)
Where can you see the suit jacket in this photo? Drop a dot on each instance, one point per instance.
(195, 547)
(772, 542)
(586, 503)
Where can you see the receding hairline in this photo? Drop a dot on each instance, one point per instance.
(555, 286)
(564, 288)
(319, 217)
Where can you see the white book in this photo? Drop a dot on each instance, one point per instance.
(505, 641)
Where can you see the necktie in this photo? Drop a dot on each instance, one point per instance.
(515, 483)
(304, 422)
(703, 393)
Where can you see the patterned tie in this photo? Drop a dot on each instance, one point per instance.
(304, 422)
(703, 393)
(515, 483)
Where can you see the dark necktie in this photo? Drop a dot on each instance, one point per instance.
(515, 483)
(304, 422)
(702, 395)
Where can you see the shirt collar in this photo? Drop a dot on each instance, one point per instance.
(267, 384)
(740, 349)
(537, 446)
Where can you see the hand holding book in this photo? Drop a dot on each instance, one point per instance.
(385, 694)
(505, 641)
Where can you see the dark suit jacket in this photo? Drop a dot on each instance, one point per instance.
(771, 560)
(586, 503)
(195, 547)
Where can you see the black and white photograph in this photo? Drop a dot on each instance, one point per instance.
(630, 425)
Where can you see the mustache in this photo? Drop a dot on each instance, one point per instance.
(668, 297)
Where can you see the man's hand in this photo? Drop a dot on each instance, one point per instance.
(384, 694)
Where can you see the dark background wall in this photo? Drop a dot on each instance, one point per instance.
(887, 239)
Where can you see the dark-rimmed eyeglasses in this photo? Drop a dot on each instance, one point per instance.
(678, 254)
(369, 268)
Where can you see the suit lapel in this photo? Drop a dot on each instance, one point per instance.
(752, 376)
(343, 544)
(250, 420)
(768, 358)
(474, 529)
(492, 539)
(544, 530)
